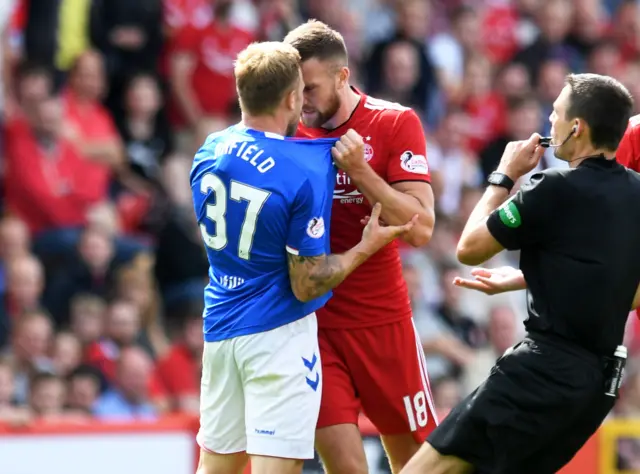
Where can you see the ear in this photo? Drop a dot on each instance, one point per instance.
(343, 77)
(578, 128)
(290, 99)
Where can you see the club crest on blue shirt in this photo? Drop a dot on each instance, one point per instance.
(315, 228)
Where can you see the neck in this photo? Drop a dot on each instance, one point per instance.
(348, 102)
(588, 151)
(265, 123)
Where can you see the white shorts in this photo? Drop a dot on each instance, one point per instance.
(260, 393)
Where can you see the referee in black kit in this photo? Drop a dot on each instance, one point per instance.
(577, 230)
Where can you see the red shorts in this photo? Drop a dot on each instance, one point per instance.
(381, 371)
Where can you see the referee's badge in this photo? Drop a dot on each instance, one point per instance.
(509, 214)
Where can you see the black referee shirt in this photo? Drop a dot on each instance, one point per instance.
(579, 235)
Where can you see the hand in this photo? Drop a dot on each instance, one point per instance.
(348, 152)
(521, 157)
(492, 281)
(365, 220)
(376, 236)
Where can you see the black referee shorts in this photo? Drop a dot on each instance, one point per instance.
(539, 405)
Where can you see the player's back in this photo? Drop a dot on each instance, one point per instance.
(247, 186)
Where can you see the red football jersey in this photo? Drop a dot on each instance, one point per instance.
(628, 153)
(395, 147)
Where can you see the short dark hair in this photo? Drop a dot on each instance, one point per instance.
(315, 39)
(604, 103)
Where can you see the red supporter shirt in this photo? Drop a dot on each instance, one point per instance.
(47, 190)
(499, 32)
(486, 120)
(179, 372)
(628, 154)
(94, 123)
(215, 50)
(104, 355)
(395, 148)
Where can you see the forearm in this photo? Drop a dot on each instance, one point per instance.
(493, 197)
(312, 277)
(104, 152)
(397, 207)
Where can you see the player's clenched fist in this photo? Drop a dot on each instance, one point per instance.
(348, 152)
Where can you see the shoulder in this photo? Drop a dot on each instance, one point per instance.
(548, 182)
(391, 117)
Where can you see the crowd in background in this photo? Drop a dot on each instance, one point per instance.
(104, 103)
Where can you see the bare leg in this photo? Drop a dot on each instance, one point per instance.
(430, 461)
(214, 463)
(400, 449)
(341, 450)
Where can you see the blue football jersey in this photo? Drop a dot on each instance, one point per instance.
(258, 196)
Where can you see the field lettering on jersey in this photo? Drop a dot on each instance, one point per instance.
(251, 154)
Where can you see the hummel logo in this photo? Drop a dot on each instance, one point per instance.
(310, 364)
(313, 383)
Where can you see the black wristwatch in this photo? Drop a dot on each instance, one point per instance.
(501, 179)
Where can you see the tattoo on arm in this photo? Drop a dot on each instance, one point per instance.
(316, 275)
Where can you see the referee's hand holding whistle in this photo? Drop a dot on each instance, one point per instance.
(520, 157)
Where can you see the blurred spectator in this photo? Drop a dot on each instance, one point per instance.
(145, 130)
(84, 389)
(89, 270)
(121, 331)
(89, 125)
(55, 33)
(179, 371)
(129, 35)
(31, 342)
(523, 118)
(449, 50)
(400, 75)
(10, 412)
(447, 393)
(129, 399)
(47, 183)
(67, 353)
(501, 335)
(201, 76)
(47, 396)
(485, 107)
(87, 316)
(24, 285)
(412, 28)
(555, 22)
(452, 161)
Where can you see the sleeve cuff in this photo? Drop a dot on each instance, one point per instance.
(502, 234)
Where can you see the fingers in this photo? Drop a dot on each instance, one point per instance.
(375, 212)
(471, 284)
(481, 272)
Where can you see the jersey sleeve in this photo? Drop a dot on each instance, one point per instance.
(525, 218)
(627, 152)
(408, 153)
(307, 233)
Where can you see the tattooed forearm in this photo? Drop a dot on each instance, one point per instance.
(312, 277)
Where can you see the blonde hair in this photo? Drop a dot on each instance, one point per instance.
(265, 72)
